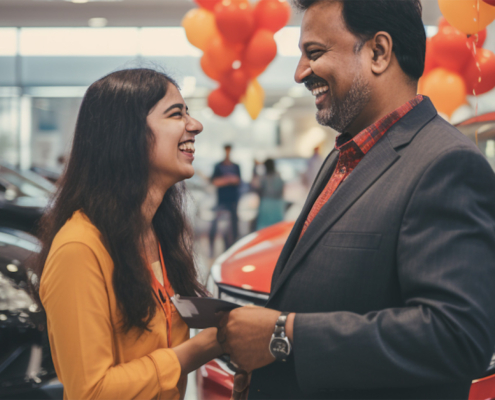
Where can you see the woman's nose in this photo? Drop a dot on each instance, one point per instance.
(194, 126)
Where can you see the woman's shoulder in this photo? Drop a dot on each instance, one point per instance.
(79, 230)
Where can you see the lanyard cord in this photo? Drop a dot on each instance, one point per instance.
(163, 294)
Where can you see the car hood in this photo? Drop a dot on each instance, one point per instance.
(249, 264)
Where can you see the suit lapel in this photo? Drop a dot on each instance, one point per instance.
(318, 185)
(381, 156)
(370, 168)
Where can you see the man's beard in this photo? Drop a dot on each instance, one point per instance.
(342, 112)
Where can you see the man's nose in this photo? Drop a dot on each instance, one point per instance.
(303, 70)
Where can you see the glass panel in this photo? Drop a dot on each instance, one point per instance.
(8, 41)
(79, 41)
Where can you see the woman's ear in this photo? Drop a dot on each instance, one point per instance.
(382, 46)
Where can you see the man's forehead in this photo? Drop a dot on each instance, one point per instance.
(321, 19)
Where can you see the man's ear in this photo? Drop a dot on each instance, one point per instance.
(381, 45)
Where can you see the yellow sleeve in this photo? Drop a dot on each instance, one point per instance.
(74, 295)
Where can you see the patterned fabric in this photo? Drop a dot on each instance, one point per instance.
(351, 152)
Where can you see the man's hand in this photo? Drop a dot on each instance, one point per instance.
(245, 335)
(241, 385)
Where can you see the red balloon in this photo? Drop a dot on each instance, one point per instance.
(430, 62)
(223, 54)
(271, 14)
(491, 2)
(208, 4)
(253, 72)
(234, 83)
(261, 49)
(450, 49)
(478, 38)
(221, 103)
(209, 69)
(442, 22)
(235, 20)
(486, 60)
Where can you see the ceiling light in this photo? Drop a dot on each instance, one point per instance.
(97, 22)
(78, 1)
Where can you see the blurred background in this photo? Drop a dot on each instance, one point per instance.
(52, 50)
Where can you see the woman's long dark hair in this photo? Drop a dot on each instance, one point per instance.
(107, 178)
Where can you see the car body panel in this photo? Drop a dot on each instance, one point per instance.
(251, 267)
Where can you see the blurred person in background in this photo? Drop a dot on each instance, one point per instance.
(227, 178)
(272, 204)
(116, 245)
(314, 165)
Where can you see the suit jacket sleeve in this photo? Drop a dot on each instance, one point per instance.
(446, 270)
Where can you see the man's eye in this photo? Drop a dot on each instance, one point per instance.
(313, 55)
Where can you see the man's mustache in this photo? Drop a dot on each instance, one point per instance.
(313, 80)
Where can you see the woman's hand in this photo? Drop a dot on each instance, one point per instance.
(198, 350)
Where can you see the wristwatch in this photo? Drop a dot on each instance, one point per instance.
(279, 344)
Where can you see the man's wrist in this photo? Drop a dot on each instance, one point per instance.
(289, 327)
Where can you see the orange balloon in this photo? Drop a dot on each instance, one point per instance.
(478, 38)
(221, 103)
(253, 72)
(223, 54)
(208, 67)
(234, 83)
(208, 4)
(469, 16)
(450, 48)
(254, 99)
(200, 27)
(235, 20)
(446, 90)
(430, 62)
(271, 14)
(261, 49)
(480, 80)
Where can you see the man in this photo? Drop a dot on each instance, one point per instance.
(227, 178)
(388, 276)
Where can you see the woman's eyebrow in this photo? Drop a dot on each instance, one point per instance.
(178, 105)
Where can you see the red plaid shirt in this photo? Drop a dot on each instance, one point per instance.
(353, 150)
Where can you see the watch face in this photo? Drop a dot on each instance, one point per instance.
(280, 346)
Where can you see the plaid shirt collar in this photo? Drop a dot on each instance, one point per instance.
(353, 149)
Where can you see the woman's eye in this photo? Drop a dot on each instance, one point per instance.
(177, 114)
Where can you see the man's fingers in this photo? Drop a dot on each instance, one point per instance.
(221, 336)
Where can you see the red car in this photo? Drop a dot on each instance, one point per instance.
(243, 275)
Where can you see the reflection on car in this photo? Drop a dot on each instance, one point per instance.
(23, 197)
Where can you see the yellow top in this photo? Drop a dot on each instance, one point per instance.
(93, 358)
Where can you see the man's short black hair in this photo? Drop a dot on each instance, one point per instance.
(227, 146)
(400, 18)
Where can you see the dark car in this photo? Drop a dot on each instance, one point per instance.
(23, 197)
(26, 368)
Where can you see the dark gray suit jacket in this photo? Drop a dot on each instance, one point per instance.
(393, 283)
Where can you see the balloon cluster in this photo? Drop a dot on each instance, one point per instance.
(456, 64)
(238, 45)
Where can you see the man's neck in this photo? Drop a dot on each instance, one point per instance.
(378, 107)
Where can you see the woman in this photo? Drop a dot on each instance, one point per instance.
(116, 246)
(272, 204)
